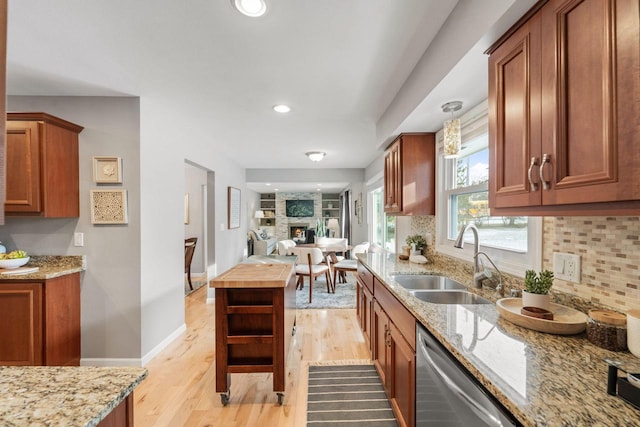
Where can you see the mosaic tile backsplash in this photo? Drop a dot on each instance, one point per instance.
(610, 254)
(609, 248)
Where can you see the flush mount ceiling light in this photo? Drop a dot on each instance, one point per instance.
(315, 156)
(252, 8)
(281, 108)
(452, 133)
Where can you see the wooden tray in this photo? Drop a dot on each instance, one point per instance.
(566, 321)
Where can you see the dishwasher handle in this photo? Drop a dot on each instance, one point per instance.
(475, 406)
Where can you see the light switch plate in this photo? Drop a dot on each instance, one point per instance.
(78, 239)
(566, 267)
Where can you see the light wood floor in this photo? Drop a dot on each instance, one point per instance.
(180, 388)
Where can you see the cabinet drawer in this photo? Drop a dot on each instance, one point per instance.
(399, 315)
(365, 276)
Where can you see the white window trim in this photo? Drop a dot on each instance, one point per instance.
(474, 123)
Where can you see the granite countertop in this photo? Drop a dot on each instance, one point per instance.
(63, 396)
(542, 379)
(49, 267)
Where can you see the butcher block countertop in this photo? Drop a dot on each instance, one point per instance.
(255, 275)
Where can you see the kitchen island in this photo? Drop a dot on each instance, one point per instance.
(255, 319)
(542, 379)
(68, 396)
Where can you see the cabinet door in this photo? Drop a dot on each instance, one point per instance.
(380, 337)
(23, 167)
(514, 119)
(590, 117)
(393, 178)
(21, 312)
(402, 372)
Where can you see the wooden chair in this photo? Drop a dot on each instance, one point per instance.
(310, 265)
(189, 249)
(342, 267)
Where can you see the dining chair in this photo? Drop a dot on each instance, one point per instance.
(341, 268)
(309, 264)
(284, 247)
(189, 249)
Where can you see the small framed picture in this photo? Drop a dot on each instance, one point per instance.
(109, 207)
(107, 170)
(233, 207)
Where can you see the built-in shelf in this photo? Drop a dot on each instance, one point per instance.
(268, 207)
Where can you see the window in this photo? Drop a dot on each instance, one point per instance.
(383, 227)
(512, 242)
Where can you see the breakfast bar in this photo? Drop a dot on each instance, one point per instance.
(255, 319)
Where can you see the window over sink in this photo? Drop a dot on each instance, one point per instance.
(515, 243)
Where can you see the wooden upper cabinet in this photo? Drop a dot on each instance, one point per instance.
(42, 176)
(514, 117)
(409, 175)
(563, 117)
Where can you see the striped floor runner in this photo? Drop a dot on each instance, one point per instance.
(347, 396)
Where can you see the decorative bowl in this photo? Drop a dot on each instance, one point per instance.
(13, 263)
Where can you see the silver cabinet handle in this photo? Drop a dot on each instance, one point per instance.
(532, 185)
(546, 158)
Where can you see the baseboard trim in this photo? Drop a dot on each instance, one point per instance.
(163, 344)
(135, 361)
(110, 362)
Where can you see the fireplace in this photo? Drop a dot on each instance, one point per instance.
(297, 232)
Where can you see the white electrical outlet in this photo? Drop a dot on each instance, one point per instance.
(566, 267)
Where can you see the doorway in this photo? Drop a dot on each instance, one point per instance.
(198, 221)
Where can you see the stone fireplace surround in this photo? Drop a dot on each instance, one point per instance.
(297, 231)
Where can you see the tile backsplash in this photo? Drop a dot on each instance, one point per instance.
(609, 248)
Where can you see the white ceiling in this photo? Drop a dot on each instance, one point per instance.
(355, 72)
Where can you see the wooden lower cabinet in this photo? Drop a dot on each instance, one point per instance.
(401, 377)
(44, 319)
(395, 361)
(121, 416)
(364, 305)
(390, 329)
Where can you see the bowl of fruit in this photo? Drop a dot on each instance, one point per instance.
(13, 259)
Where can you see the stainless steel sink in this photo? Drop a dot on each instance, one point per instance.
(450, 297)
(426, 282)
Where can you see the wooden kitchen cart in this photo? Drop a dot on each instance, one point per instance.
(255, 320)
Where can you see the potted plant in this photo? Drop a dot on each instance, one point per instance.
(417, 243)
(536, 289)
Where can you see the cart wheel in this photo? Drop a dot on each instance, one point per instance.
(224, 397)
(280, 398)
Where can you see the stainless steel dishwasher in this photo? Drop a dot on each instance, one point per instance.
(446, 395)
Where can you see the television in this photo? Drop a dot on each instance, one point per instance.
(299, 208)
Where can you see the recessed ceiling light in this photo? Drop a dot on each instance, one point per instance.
(281, 108)
(315, 156)
(267, 184)
(252, 8)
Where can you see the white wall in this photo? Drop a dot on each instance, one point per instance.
(110, 288)
(169, 135)
(132, 291)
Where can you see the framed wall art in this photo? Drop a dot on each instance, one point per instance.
(233, 209)
(107, 170)
(109, 207)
